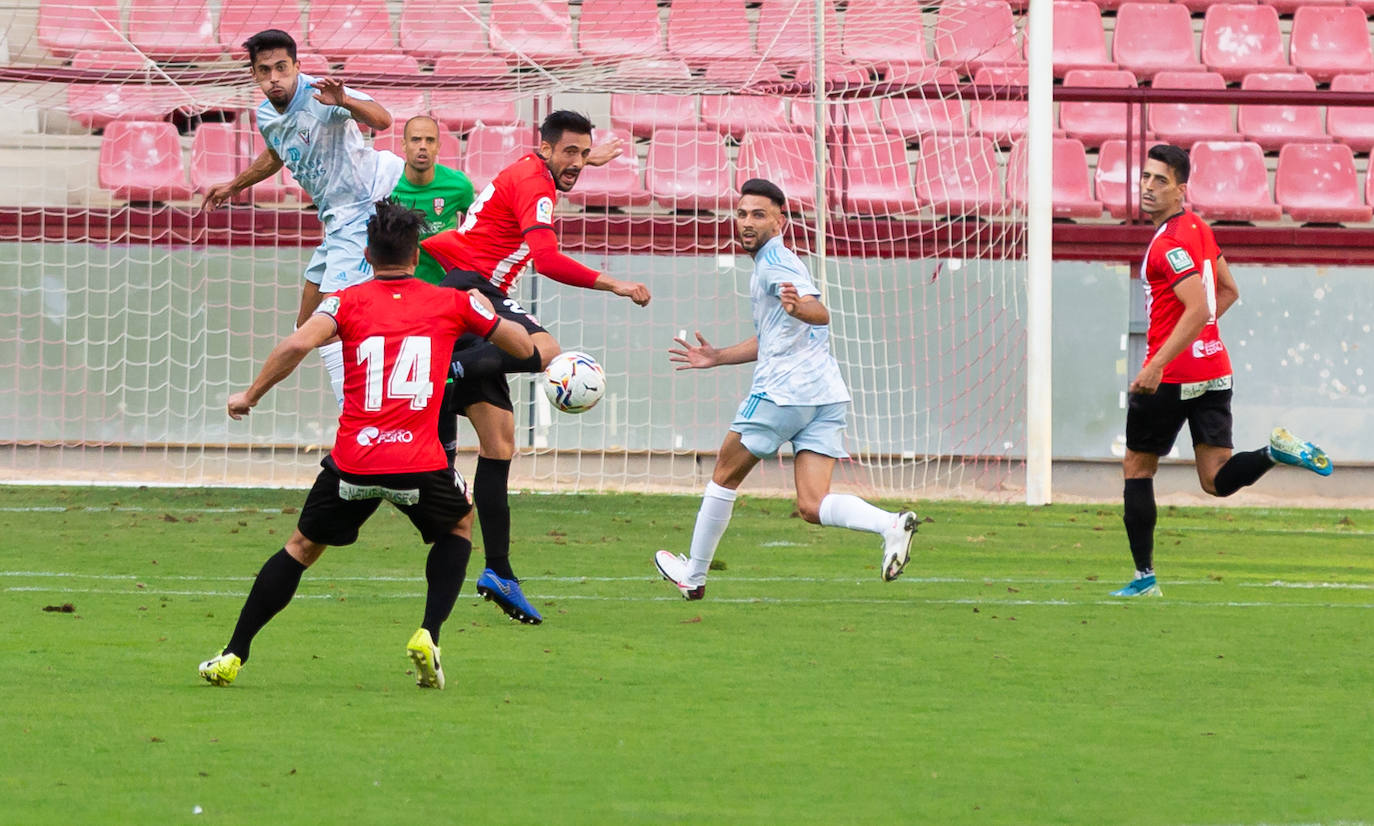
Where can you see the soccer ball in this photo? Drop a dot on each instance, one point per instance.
(574, 382)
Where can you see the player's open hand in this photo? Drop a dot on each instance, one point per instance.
(603, 154)
(239, 406)
(693, 356)
(217, 196)
(330, 91)
(633, 290)
(1147, 380)
(790, 298)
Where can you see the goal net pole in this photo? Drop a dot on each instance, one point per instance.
(1039, 173)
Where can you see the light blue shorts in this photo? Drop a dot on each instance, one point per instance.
(763, 426)
(338, 261)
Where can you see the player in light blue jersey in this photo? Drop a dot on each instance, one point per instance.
(797, 396)
(310, 126)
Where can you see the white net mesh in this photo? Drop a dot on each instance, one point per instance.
(130, 315)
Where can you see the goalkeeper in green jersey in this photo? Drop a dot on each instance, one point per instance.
(442, 194)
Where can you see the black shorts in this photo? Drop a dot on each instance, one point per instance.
(1153, 421)
(494, 390)
(339, 503)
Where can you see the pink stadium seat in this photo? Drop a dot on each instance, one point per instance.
(1327, 41)
(1201, 6)
(484, 66)
(1186, 123)
(491, 149)
(402, 104)
(141, 161)
(1229, 182)
(874, 177)
(617, 184)
(393, 140)
(858, 116)
(971, 34)
(688, 169)
(612, 30)
(868, 32)
(1273, 126)
(1094, 123)
(733, 115)
(1316, 182)
(96, 105)
(844, 74)
(181, 31)
(1113, 5)
(914, 118)
(700, 31)
(393, 64)
(66, 27)
(1079, 41)
(439, 29)
(785, 158)
(1154, 37)
(643, 115)
(1240, 39)
(215, 156)
(1071, 193)
(959, 176)
(339, 28)
(241, 19)
(533, 30)
(461, 110)
(1352, 125)
(1001, 120)
(738, 74)
(1291, 6)
(785, 32)
(313, 64)
(1113, 182)
(125, 61)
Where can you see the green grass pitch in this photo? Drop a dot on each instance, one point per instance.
(994, 683)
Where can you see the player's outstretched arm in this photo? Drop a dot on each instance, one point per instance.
(805, 308)
(282, 361)
(549, 261)
(702, 355)
(263, 167)
(633, 290)
(330, 91)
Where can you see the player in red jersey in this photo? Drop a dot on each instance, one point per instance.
(397, 332)
(508, 227)
(1187, 371)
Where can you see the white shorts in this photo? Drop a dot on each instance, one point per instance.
(763, 426)
(338, 261)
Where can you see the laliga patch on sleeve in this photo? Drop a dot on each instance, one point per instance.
(330, 306)
(543, 211)
(480, 308)
(1180, 260)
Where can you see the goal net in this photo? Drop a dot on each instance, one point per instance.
(129, 315)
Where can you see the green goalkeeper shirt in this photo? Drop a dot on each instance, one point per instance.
(441, 200)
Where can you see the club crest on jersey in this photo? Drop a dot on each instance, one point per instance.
(1179, 259)
(543, 211)
(438, 206)
(304, 135)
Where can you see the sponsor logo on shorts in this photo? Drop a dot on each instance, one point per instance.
(372, 436)
(354, 493)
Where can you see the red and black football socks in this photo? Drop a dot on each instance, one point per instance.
(489, 487)
(1139, 516)
(272, 591)
(448, 560)
(1242, 470)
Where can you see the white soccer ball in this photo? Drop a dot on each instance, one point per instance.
(574, 382)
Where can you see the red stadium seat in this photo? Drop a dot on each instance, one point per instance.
(1352, 125)
(846, 74)
(141, 161)
(733, 115)
(314, 64)
(181, 31)
(1094, 123)
(125, 61)
(785, 32)
(444, 29)
(874, 177)
(485, 66)
(402, 104)
(617, 184)
(1229, 182)
(215, 156)
(1317, 182)
(971, 34)
(394, 64)
(1114, 185)
(491, 149)
(1001, 120)
(614, 30)
(869, 27)
(1273, 126)
(959, 176)
(785, 158)
(533, 30)
(738, 74)
(1154, 37)
(393, 140)
(1240, 39)
(1186, 123)
(858, 116)
(702, 31)
(241, 19)
(1201, 6)
(66, 27)
(688, 169)
(1327, 41)
(339, 28)
(1291, 6)
(1079, 41)
(914, 118)
(461, 110)
(1071, 193)
(1113, 5)
(643, 115)
(96, 105)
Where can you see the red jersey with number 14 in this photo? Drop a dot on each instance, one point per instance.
(1184, 247)
(491, 241)
(397, 336)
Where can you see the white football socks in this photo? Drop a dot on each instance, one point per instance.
(332, 356)
(842, 510)
(716, 506)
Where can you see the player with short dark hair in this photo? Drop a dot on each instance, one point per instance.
(441, 193)
(797, 396)
(397, 332)
(509, 227)
(1187, 371)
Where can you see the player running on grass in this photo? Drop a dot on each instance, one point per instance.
(397, 332)
(797, 396)
(1187, 371)
(310, 126)
(509, 226)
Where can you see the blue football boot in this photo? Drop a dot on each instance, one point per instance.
(507, 594)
